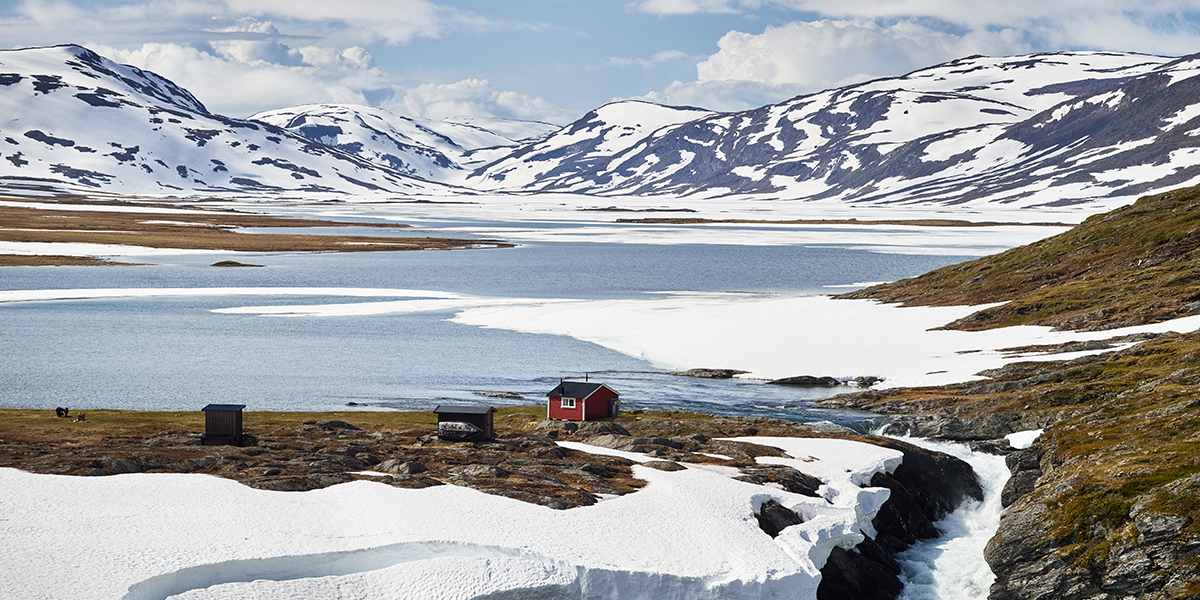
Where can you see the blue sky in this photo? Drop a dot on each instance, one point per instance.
(555, 59)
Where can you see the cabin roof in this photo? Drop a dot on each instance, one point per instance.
(223, 408)
(577, 389)
(463, 409)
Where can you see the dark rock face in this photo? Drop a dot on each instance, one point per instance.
(790, 479)
(773, 518)
(808, 381)
(925, 487)
(1142, 563)
(1026, 468)
(866, 573)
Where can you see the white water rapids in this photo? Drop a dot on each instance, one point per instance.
(952, 567)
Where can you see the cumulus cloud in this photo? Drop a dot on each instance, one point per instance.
(240, 57)
(257, 85)
(646, 62)
(826, 53)
(472, 98)
(1157, 26)
(753, 69)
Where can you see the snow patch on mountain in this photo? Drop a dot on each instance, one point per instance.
(75, 121)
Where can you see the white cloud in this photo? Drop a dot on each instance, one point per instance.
(1157, 26)
(473, 98)
(685, 7)
(391, 21)
(646, 62)
(258, 84)
(827, 53)
(752, 69)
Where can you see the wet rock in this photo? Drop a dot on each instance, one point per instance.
(808, 381)
(902, 520)
(867, 572)
(774, 517)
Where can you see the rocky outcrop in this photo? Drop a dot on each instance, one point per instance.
(710, 373)
(925, 487)
(1026, 468)
(774, 517)
(868, 572)
(808, 381)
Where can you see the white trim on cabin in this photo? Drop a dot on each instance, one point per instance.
(562, 402)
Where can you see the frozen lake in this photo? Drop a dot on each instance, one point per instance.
(175, 353)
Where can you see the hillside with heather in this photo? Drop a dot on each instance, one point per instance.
(1105, 503)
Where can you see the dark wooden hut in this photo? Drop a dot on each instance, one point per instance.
(466, 423)
(222, 424)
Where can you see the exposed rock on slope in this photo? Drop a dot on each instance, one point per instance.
(1022, 130)
(77, 121)
(442, 151)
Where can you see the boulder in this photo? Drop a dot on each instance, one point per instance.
(232, 263)
(774, 517)
(664, 465)
(808, 381)
(395, 466)
(476, 471)
(790, 479)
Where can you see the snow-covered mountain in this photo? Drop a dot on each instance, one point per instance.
(444, 151)
(73, 120)
(581, 153)
(1025, 130)
(1032, 130)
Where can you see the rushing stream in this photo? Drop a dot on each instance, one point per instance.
(952, 567)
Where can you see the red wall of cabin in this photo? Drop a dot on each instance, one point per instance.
(599, 406)
(557, 412)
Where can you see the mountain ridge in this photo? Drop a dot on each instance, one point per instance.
(1028, 131)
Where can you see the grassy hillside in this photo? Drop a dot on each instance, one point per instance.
(1135, 265)
(1112, 503)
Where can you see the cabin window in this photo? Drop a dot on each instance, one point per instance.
(568, 403)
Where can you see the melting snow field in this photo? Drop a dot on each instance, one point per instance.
(157, 536)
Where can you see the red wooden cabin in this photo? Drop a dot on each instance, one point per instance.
(582, 401)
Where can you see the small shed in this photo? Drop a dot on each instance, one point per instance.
(222, 424)
(582, 401)
(466, 422)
